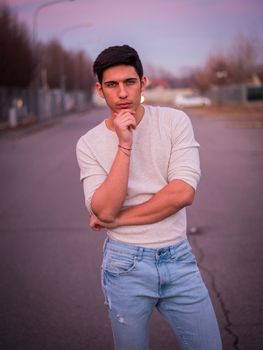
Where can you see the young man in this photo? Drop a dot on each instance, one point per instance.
(140, 169)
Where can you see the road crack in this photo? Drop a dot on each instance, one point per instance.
(214, 288)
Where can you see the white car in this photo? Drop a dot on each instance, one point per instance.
(191, 100)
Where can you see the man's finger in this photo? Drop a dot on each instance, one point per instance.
(96, 227)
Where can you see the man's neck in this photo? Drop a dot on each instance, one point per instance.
(139, 114)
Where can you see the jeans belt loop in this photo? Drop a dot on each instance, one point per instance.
(172, 252)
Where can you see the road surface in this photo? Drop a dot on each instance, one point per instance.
(50, 260)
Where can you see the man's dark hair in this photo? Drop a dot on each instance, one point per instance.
(116, 55)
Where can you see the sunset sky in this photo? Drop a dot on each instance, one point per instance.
(173, 34)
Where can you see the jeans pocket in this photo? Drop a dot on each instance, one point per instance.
(186, 257)
(118, 263)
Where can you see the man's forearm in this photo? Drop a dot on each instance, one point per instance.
(169, 200)
(109, 197)
(164, 203)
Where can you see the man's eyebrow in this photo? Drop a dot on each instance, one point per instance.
(110, 81)
(131, 78)
(116, 81)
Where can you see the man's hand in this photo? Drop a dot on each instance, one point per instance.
(95, 223)
(98, 225)
(124, 122)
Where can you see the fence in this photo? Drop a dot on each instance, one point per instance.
(40, 104)
(255, 93)
(224, 94)
(228, 94)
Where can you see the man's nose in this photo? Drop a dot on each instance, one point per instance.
(122, 91)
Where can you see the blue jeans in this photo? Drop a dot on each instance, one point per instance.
(137, 279)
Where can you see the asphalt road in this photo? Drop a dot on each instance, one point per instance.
(50, 261)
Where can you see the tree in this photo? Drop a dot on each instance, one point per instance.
(65, 69)
(243, 57)
(51, 58)
(238, 65)
(17, 61)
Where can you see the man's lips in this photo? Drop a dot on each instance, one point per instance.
(124, 105)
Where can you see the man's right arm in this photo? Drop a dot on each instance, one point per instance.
(108, 199)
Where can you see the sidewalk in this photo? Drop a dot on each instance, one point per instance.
(249, 111)
(32, 125)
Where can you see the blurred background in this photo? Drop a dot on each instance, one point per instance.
(202, 56)
(195, 53)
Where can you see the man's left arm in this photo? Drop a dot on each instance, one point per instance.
(168, 201)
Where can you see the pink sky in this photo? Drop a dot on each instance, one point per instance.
(171, 33)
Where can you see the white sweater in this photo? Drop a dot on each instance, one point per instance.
(164, 149)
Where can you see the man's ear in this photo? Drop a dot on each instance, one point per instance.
(144, 83)
(99, 90)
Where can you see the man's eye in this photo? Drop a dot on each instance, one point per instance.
(130, 82)
(111, 84)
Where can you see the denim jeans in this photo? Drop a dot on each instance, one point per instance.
(137, 279)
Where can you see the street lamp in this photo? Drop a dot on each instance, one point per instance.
(68, 29)
(35, 38)
(36, 13)
(62, 69)
(221, 76)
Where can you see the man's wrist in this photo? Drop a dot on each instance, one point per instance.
(120, 219)
(117, 222)
(127, 145)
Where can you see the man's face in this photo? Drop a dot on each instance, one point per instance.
(121, 87)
